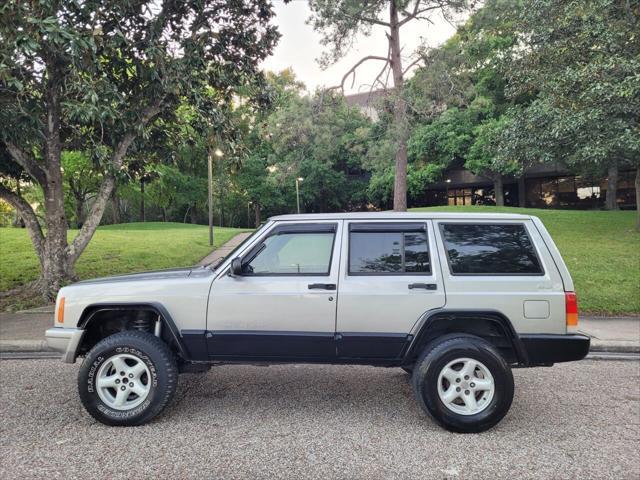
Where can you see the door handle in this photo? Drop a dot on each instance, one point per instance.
(322, 286)
(426, 286)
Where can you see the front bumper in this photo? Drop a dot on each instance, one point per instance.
(64, 340)
(546, 349)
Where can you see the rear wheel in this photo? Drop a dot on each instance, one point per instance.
(464, 384)
(127, 378)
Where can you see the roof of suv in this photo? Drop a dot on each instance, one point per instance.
(390, 215)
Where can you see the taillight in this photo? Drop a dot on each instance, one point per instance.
(571, 305)
(60, 313)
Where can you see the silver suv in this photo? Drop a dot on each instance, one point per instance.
(455, 300)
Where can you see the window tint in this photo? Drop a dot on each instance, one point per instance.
(485, 249)
(293, 253)
(388, 253)
(416, 253)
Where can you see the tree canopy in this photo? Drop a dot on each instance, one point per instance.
(93, 75)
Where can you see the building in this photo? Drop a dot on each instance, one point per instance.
(541, 186)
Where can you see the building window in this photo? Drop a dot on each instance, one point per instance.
(459, 196)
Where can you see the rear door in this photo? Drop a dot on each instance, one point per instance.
(284, 303)
(389, 278)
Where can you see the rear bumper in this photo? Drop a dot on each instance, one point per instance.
(65, 340)
(545, 349)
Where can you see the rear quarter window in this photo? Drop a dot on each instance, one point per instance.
(490, 249)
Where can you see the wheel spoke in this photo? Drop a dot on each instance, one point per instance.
(483, 384)
(137, 370)
(139, 389)
(469, 368)
(119, 364)
(451, 375)
(121, 397)
(106, 382)
(470, 402)
(450, 395)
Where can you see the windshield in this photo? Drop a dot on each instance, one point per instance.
(215, 264)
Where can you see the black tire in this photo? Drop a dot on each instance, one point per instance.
(433, 360)
(149, 350)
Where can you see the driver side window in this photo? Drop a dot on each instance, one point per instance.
(293, 253)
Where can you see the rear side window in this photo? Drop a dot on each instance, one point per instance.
(490, 249)
(379, 249)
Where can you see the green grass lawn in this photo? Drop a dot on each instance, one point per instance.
(114, 249)
(601, 250)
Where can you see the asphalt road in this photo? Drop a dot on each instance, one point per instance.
(578, 420)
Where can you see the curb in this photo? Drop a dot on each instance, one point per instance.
(614, 347)
(7, 346)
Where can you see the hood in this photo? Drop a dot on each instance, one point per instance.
(171, 273)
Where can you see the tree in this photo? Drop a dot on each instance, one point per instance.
(486, 158)
(457, 100)
(323, 140)
(579, 61)
(340, 20)
(94, 74)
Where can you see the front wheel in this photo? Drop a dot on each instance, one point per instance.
(464, 384)
(127, 378)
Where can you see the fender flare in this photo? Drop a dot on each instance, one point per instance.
(90, 312)
(428, 319)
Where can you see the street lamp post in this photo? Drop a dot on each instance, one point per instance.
(298, 180)
(218, 153)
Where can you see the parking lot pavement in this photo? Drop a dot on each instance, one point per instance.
(579, 420)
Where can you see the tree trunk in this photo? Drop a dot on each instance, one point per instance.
(498, 189)
(256, 207)
(193, 214)
(522, 192)
(399, 114)
(638, 198)
(164, 214)
(115, 206)
(79, 210)
(142, 213)
(612, 187)
(18, 221)
(57, 267)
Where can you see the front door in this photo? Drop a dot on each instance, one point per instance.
(390, 278)
(284, 303)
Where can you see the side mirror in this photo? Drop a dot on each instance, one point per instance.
(236, 267)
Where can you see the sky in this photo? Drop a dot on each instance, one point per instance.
(299, 48)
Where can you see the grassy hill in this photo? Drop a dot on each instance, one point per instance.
(601, 250)
(115, 249)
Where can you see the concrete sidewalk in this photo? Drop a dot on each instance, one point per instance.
(24, 331)
(224, 250)
(612, 334)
